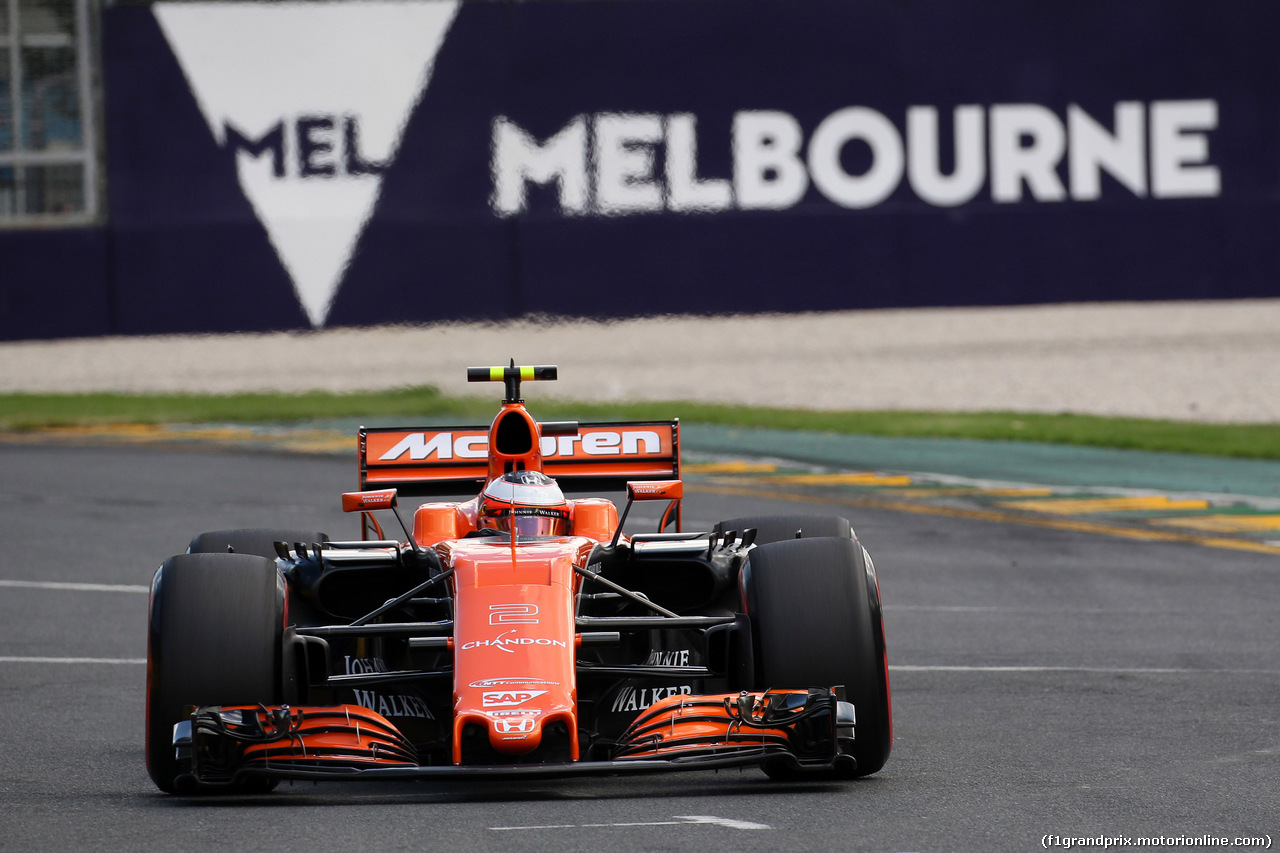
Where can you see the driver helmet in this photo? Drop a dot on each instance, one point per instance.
(529, 502)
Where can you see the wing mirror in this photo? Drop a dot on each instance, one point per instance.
(654, 490)
(366, 502)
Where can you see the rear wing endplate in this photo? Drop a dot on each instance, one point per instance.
(438, 461)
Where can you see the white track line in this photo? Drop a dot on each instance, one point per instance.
(78, 587)
(680, 820)
(114, 661)
(1099, 670)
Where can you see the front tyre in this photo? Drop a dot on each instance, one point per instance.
(216, 628)
(813, 625)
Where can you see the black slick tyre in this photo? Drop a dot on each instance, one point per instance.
(813, 625)
(215, 637)
(251, 540)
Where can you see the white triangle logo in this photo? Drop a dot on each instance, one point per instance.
(314, 97)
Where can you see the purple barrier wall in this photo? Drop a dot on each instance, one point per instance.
(276, 166)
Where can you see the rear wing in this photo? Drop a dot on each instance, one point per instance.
(438, 461)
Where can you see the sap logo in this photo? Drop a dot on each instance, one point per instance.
(312, 146)
(444, 445)
(299, 90)
(637, 699)
(628, 163)
(507, 698)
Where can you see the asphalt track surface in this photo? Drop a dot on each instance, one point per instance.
(1046, 682)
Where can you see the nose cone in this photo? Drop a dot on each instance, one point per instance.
(515, 645)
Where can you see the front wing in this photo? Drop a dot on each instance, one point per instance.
(789, 731)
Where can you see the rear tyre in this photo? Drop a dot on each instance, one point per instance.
(251, 540)
(776, 528)
(813, 625)
(215, 637)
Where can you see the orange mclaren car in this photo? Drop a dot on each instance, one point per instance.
(516, 631)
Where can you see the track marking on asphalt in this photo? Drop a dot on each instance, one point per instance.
(964, 608)
(1225, 523)
(110, 661)
(1084, 506)
(321, 441)
(736, 466)
(1074, 611)
(678, 820)
(77, 587)
(1096, 670)
(970, 491)
(1050, 523)
(858, 478)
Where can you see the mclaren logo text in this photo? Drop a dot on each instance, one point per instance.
(445, 445)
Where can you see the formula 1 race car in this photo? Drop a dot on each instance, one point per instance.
(517, 633)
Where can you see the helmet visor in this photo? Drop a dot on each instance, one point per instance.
(525, 520)
(533, 525)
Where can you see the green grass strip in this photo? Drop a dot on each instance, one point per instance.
(35, 411)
